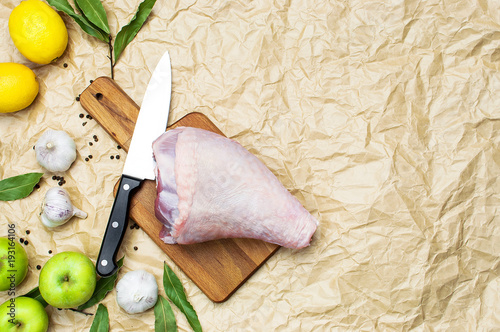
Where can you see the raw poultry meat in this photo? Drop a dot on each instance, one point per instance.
(210, 187)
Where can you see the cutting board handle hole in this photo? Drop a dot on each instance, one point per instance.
(98, 96)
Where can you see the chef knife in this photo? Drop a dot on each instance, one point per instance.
(139, 165)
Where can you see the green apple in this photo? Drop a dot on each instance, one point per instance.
(23, 314)
(67, 280)
(13, 264)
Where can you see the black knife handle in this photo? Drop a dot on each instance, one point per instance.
(117, 224)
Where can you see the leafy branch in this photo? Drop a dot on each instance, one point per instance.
(92, 18)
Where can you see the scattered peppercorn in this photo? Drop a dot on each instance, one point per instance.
(28, 231)
(111, 157)
(87, 159)
(90, 156)
(38, 267)
(90, 143)
(21, 240)
(50, 251)
(91, 81)
(60, 183)
(78, 99)
(135, 248)
(117, 156)
(37, 186)
(81, 114)
(83, 124)
(65, 65)
(118, 147)
(54, 177)
(26, 242)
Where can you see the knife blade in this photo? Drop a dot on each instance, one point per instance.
(139, 164)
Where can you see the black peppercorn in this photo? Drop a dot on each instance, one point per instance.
(87, 159)
(38, 267)
(50, 251)
(111, 157)
(26, 242)
(65, 65)
(83, 124)
(81, 114)
(28, 231)
(21, 240)
(90, 156)
(90, 143)
(78, 99)
(135, 248)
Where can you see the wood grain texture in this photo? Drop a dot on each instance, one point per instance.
(218, 267)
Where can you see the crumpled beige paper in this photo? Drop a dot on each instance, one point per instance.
(382, 118)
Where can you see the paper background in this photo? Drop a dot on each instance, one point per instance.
(381, 117)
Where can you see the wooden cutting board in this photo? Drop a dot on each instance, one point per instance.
(219, 267)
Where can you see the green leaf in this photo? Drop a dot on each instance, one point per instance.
(35, 294)
(94, 11)
(175, 292)
(128, 32)
(103, 286)
(164, 316)
(83, 22)
(19, 186)
(101, 320)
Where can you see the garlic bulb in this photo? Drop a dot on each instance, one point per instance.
(137, 291)
(57, 208)
(55, 150)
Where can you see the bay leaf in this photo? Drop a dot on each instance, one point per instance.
(101, 320)
(164, 316)
(175, 292)
(83, 22)
(18, 186)
(94, 11)
(102, 288)
(35, 294)
(129, 31)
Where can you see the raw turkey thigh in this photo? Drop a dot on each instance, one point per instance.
(210, 187)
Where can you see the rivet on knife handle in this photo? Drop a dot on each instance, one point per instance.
(117, 225)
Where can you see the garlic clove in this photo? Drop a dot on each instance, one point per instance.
(137, 291)
(55, 150)
(57, 208)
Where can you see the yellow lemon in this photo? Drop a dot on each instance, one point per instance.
(38, 31)
(18, 87)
